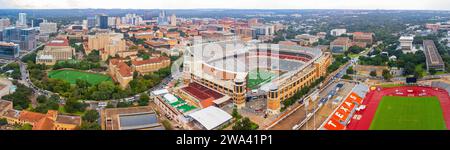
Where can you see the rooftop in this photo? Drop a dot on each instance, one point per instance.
(211, 117)
(149, 61)
(138, 121)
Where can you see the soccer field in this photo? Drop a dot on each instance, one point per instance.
(71, 76)
(257, 77)
(408, 113)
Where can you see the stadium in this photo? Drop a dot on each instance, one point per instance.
(245, 70)
(394, 108)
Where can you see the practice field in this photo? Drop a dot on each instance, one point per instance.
(408, 113)
(71, 76)
(258, 77)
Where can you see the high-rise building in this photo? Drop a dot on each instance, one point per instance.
(112, 22)
(406, 43)
(147, 15)
(37, 21)
(162, 19)
(338, 32)
(48, 27)
(22, 21)
(25, 37)
(103, 22)
(9, 50)
(4, 22)
(91, 22)
(132, 19)
(173, 20)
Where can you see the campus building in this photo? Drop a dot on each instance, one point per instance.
(49, 121)
(363, 37)
(340, 45)
(133, 118)
(406, 43)
(150, 65)
(434, 59)
(54, 51)
(120, 72)
(107, 43)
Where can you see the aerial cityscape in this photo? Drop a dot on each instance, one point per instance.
(73, 65)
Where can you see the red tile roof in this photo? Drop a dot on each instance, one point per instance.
(59, 42)
(30, 116)
(124, 69)
(149, 61)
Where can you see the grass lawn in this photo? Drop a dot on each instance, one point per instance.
(71, 76)
(257, 77)
(408, 113)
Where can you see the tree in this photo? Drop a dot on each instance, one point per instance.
(387, 74)
(91, 116)
(236, 114)
(143, 99)
(432, 71)
(355, 49)
(373, 73)
(245, 124)
(25, 127)
(73, 106)
(350, 70)
(347, 77)
(41, 99)
(90, 126)
(3, 121)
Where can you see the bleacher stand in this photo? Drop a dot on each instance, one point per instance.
(442, 85)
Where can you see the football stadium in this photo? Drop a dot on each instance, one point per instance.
(394, 108)
(246, 70)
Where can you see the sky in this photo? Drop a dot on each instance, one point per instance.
(234, 4)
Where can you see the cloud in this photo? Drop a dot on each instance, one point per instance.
(252, 4)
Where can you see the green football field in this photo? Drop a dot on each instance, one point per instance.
(257, 77)
(408, 113)
(71, 76)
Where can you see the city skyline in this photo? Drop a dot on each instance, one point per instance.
(223, 4)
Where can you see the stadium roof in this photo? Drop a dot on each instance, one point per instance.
(211, 117)
(138, 121)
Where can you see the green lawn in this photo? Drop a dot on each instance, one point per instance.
(408, 113)
(71, 76)
(257, 77)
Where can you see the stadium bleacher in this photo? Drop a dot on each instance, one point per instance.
(442, 85)
(201, 92)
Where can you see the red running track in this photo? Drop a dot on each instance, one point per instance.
(373, 98)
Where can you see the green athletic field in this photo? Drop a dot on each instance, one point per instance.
(408, 113)
(257, 77)
(71, 76)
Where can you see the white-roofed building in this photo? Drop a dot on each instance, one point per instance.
(171, 98)
(210, 118)
(160, 92)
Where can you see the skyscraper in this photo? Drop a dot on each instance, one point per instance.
(9, 50)
(173, 20)
(37, 21)
(25, 37)
(4, 22)
(22, 21)
(103, 22)
(91, 22)
(162, 19)
(48, 28)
